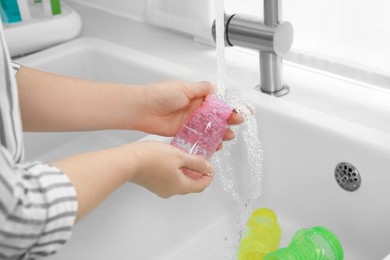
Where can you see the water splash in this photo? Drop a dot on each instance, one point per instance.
(220, 48)
(241, 180)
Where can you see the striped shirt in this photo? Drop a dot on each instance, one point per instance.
(37, 201)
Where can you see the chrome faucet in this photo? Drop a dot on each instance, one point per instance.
(271, 37)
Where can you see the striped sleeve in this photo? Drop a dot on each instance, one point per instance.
(38, 207)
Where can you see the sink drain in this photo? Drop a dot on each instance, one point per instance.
(347, 176)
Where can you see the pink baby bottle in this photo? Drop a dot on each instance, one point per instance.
(204, 128)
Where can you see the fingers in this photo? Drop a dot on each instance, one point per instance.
(200, 89)
(229, 135)
(198, 164)
(236, 119)
(204, 87)
(198, 174)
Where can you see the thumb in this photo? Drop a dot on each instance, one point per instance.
(199, 173)
(198, 164)
(201, 89)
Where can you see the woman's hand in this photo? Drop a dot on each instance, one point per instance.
(154, 165)
(168, 104)
(51, 102)
(159, 168)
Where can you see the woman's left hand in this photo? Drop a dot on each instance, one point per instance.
(168, 104)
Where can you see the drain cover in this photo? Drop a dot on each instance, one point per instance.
(347, 176)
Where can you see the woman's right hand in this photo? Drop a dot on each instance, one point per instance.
(159, 168)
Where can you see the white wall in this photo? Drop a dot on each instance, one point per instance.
(193, 17)
(188, 16)
(349, 31)
(134, 9)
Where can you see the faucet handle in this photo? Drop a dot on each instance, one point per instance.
(283, 38)
(250, 32)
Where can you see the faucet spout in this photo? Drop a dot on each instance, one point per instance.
(271, 37)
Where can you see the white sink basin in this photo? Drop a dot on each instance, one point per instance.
(301, 150)
(91, 58)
